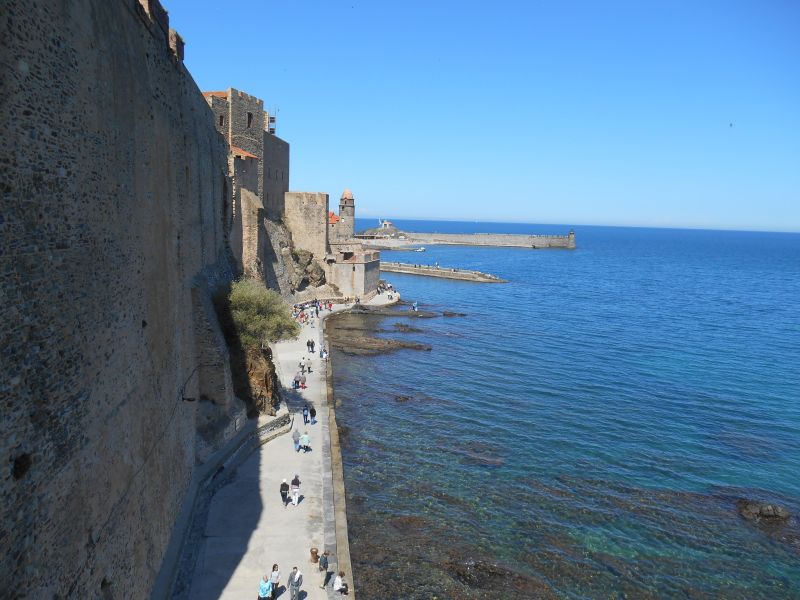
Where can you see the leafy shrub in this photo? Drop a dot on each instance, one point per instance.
(259, 314)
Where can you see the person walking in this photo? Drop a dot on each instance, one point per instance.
(313, 412)
(323, 568)
(313, 343)
(302, 365)
(308, 364)
(339, 584)
(305, 442)
(305, 415)
(275, 578)
(295, 581)
(296, 440)
(264, 588)
(302, 382)
(296, 381)
(284, 493)
(295, 490)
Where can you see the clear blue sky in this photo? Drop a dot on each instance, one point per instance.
(679, 113)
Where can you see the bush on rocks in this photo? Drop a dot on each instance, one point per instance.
(259, 315)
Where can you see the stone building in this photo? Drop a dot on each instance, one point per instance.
(329, 237)
(243, 122)
(259, 170)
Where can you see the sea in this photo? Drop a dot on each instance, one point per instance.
(585, 430)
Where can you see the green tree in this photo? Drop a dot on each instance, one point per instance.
(259, 314)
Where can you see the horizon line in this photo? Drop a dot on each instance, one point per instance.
(677, 227)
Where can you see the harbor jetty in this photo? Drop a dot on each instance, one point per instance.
(388, 237)
(437, 271)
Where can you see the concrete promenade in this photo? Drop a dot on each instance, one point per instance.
(443, 272)
(248, 529)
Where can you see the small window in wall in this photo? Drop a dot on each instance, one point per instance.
(354, 268)
(221, 120)
(249, 120)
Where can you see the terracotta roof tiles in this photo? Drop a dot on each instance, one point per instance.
(243, 153)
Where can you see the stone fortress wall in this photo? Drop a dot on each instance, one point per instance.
(115, 219)
(276, 179)
(242, 121)
(306, 216)
(247, 237)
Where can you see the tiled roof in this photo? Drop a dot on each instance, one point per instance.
(243, 153)
(217, 94)
(333, 218)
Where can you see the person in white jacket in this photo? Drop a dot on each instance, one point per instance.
(339, 584)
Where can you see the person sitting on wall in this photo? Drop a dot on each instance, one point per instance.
(339, 584)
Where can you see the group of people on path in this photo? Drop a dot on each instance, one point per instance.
(290, 490)
(299, 381)
(268, 587)
(293, 489)
(301, 442)
(306, 312)
(270, 583)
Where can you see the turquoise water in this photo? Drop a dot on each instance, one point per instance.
(587, 426)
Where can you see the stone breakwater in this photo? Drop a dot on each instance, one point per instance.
(406, 239)
(444, 273)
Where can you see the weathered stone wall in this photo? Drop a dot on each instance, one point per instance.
(357, 277)
(115, 211)
(247, 128)
(276, 177)
(372, 275)
(221, 110)
(306, 216)
(248, 237)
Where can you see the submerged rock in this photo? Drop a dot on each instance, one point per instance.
(489, 576)
(370, 346)
(757, 512)
(450, 313)
(405, 328)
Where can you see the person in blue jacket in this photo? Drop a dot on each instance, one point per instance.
(265, 588)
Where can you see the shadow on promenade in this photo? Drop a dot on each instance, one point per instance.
(224, 525)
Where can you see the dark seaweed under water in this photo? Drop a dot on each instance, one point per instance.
(586, 429)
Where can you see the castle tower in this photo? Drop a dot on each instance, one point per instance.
(347, 216)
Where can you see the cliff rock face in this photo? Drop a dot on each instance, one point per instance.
(115, 213)
(295, 273)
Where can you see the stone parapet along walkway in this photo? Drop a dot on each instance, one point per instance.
(248, 529)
